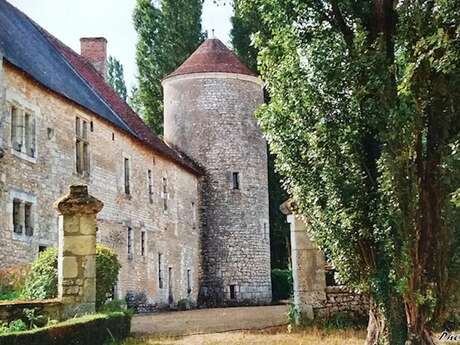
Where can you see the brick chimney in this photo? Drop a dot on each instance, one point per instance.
(95, 50)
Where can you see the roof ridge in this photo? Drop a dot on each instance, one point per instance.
(212, 56)
(48, 36)
(95, 94)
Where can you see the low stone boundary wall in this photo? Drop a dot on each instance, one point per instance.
(14, 310)
(339, 299)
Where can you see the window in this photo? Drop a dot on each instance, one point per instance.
(28, 226)
(17, 222)
(236, 180)
(23, 131)
(22, 218)
(130, 243)
(194, 214)
(126, 169)
(189, 282)
(143, 243)
(149, 175)
(81, 147)
(165, 194)
(232, 292)
(160, 271)
(266, 234)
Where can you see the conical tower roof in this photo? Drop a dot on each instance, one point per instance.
(212, 56)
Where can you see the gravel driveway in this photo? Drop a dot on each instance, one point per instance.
(215, 320)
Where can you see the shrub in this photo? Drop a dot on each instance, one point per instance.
(184, 304)
(95, 329)
(281, 284)
(41, 282)
(17, 326)
(107, 268)
(12, 281)
(114, 306)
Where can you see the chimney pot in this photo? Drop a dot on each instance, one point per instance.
(94, 49)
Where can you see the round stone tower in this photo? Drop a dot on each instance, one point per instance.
(209, 105)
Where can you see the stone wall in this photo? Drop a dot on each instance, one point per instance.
(174, 233)
(339, 299)
(210, 116)
(10, 311)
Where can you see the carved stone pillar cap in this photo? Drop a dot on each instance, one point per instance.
(288, 207)
(78, 201)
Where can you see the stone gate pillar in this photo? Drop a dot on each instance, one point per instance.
(308, 266)
(77, 251)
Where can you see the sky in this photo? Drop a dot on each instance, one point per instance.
(69, 20)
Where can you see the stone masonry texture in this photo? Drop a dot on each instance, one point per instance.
(210, 117)
(173, 232)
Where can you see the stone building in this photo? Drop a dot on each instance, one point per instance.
(187, 215)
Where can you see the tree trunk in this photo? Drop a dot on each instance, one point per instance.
(417, 330)
(386, 328)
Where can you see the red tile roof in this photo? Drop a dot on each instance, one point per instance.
(120, 107)
(212, 56)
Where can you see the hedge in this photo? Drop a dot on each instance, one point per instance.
(281, 284)
(95, 329)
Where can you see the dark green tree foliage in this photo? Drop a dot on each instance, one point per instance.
(244, 26)
(168, 33)
(364, 119)
(115, 77)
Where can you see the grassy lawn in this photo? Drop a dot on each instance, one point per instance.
(273, 336)
(277, 336)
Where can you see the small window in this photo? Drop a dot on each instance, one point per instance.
(22, 217)
(236, 180)
(29, 137)
(165, 194)
(28, 225)
(113, 136)
(23, 131)
(126, 170)
(189, 282)
(42, 248)
(160, 271)
(81, 147)
(194, 214)
(17, 219)
(130, 243)
(266, 233)
(143, 243)
(150, 181)
(17, 128)
(232, 291)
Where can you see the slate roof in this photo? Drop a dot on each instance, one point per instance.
(27, 46)
(212, 56)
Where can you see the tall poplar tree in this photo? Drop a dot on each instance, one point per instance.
(364, 119)
(168, 32)
(244, 26)
(115, 77)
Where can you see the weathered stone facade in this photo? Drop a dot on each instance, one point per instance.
(312, 298)
(210, 117)
(179, 235)
(40, 180)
